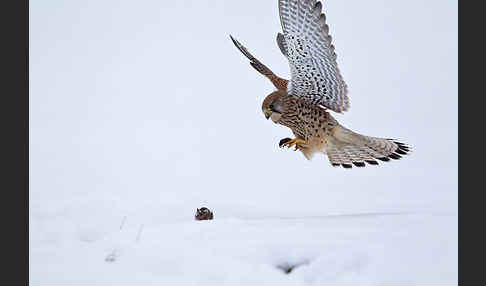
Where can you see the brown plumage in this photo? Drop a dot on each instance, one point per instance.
(279, 83)
(316, 86)
(322, 133)
(203, 214)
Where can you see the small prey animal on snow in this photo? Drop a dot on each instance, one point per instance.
(203, 214)
(316, 86)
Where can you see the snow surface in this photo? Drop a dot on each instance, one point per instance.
(359, 249)
(143, 111)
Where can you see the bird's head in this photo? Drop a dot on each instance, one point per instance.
(273, 105)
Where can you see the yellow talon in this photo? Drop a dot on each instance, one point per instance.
(291, 142)
(294, 141)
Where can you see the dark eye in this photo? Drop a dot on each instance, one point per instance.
(271, 106)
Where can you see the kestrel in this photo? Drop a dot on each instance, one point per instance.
(316, 85)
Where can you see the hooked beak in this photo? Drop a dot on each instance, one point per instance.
(268, 113)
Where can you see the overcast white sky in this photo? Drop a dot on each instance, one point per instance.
(148, 105)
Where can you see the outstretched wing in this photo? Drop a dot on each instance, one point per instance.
(279, 83)
(315, 74)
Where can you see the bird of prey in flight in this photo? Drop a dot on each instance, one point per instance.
(316, 87)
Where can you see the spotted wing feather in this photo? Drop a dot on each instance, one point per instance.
(315, 76)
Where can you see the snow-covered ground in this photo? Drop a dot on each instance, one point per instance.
(358, 249)
(143, 111)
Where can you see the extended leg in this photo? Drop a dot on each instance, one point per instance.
(287, 142)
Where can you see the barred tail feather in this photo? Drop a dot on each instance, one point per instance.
(347, 148)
